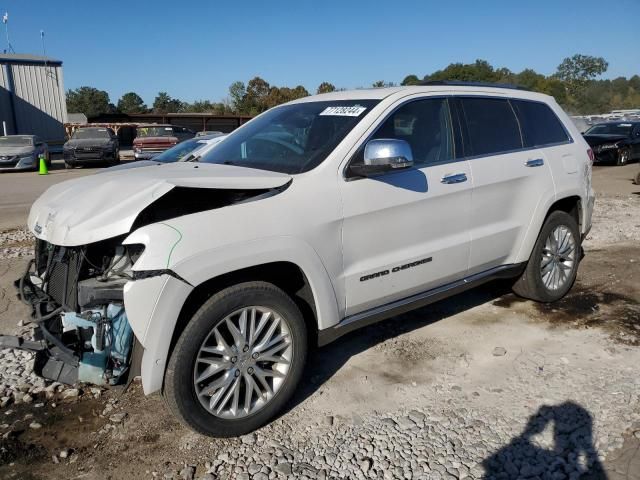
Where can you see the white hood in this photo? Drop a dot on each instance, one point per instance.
(97, 207)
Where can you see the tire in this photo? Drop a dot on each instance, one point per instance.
(624, 154)
(116, 157)
(533, 284)
(69, 165)
(180, 383)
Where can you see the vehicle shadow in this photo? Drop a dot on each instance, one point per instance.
(573, 454)
(324, 362)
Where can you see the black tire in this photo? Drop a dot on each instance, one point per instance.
(624, 155)
(179, 392)
(69, 165)
(530, 284)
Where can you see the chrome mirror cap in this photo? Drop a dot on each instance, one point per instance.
(388, 152)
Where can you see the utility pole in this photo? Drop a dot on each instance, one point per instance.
(5, 20)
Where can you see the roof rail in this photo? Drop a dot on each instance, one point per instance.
(459, 83)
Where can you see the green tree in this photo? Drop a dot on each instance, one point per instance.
(256, 98)
(382, 84)
(326, 87)
(576, 72)
(163, 103)
(131, 103)
(479, 71)
(237, 93)
(410, 80)
(88, 100)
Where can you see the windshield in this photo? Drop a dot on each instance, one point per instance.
(610, 129)
(179, 151)
(83, 133)
(154, 132)
(16, 142)
(292, 138)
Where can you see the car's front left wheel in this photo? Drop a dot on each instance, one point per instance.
(238, 360)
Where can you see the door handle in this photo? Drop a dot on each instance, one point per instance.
(536, 162)
(454, 178)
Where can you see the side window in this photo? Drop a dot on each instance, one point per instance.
(426, 126)
(540, 126)
(491, 124)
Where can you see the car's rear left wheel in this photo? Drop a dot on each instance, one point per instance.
(238, 360)
(553, 264)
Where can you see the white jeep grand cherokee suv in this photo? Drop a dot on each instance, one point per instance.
(315, 218)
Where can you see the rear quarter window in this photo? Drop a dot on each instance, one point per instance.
(540, 125)
(491, 124)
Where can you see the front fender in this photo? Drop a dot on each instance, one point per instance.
(153, 305)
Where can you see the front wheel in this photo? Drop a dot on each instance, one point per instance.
(553, 264)
(623, 156)
(238, 361)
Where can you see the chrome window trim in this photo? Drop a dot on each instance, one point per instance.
(464, 158)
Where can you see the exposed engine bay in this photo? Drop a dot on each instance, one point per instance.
(77, 304)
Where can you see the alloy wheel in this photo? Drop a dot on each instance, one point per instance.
(243, 362)
(558, 258)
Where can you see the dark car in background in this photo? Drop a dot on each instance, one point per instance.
(91, 145)
(614, 142)
(153, 139)
(22, 152)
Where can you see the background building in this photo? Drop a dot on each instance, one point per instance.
(32, 98)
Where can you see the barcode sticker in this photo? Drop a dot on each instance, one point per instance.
(346, 111)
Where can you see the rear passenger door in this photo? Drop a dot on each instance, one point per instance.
(509, 180)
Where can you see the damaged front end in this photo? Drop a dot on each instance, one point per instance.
(76, 295)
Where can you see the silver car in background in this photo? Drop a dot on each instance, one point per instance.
(21, 152)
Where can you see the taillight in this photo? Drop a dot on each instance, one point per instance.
(591, 156)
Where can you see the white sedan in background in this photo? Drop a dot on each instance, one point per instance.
(187, 151)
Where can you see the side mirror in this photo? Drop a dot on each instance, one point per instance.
(384, 155)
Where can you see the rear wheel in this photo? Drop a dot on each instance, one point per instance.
(623, 156)
(238, 360)
(553, 265)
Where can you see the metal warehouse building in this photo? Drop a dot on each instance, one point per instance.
(32, 99)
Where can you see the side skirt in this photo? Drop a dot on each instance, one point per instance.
(398, 307)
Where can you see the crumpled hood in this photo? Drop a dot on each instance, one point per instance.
(595, 140)
(13, 151)
(88, 209)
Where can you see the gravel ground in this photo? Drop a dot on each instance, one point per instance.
(485, 387)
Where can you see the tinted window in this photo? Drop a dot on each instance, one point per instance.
(539, 124)
(425, 125)
(492, 126)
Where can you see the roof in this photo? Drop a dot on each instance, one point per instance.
(454, 87)
(76, 118)
(25, 58)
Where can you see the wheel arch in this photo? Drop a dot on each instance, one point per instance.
(571, 204)
(285, 275)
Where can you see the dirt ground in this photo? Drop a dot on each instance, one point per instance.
(439, 356)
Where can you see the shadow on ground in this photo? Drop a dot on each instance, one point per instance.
(572, 453)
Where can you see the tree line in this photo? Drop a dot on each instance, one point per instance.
(574, 86)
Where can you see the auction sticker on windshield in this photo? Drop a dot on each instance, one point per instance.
(346, 111)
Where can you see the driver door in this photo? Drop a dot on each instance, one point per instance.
(406, 232)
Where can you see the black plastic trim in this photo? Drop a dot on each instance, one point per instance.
(398, 307)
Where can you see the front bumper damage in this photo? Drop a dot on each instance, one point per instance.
(81, 331)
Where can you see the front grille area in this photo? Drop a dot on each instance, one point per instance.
(60, 269)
